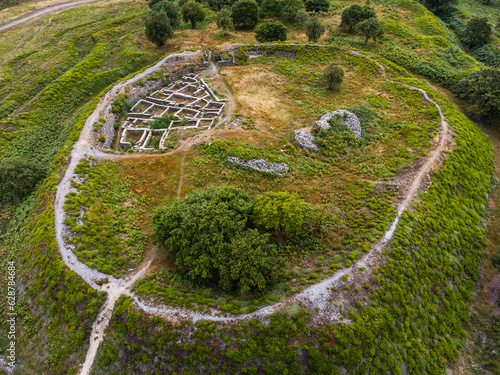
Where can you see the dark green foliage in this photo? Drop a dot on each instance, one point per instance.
(356, 14)
(158, 28)
(121, 106)
(495, 259)
(477, 32)
(270, 31)
(224, 20)
(482, 89)
(19, 176)
(245, 14)
(488, 55)
(314, 29)
(192, 12)
(369, 28)
(439, 5)
(172, 11)
(279, 211)
(152, 3)
(301, 17)
(290, 8)
(270, 8)
(317, 5)
(333, 75)
(217, 5)
(209, 234)
(162, 122)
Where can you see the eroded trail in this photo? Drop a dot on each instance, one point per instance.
(318, 295)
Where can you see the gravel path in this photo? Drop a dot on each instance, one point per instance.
(41, 12)
(314, 296)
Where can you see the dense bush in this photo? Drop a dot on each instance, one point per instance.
(210, 235)
(270, 31)
(192, 12)
(333, 75)
(317, 5)
(482, 89)
(158, 27)
(279, 211)
(19, 176)
(245, 14)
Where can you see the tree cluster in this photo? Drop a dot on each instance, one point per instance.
(161, 21)
(363, 20)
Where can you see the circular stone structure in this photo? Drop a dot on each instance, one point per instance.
(349, 118)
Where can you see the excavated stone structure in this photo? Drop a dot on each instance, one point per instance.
(192, 103)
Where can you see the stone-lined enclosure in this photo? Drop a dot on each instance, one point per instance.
(189, 100)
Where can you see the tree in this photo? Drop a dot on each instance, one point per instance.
(369, 28)
(19, 176)
(270, 31)
(333, 76)
(152, 3)
(317, 5)
(302, 16)
(270, 9)
(224, 20)
(245, 14)
(192, 12)
(477, 32)
(314, 29)
(439, 5)
(482, 89)
(172, 11)
(158, 28)
(290, 8)
(279, 211)
(356, 14)
(209, 234)
(217, 5)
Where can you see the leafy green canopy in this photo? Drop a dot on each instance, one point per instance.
(19, 176)
(333, 76)
(279, 210)
(245, 14)
(192, 12)
(158, 28)
(210, 236)
(482, 89)
(314, 29)
(224, 20)
(172, 11)
(370, 28)
(356, 14)
(270, 31)
(317, 5)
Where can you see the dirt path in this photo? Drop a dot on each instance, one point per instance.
(47, 10)
(318, 295)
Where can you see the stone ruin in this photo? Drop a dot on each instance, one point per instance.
(349, 118)
(261, 165)
(305, 140)
(191, 102)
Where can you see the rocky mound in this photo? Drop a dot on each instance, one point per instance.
(349, 118)
(261, 165)
(305, 140)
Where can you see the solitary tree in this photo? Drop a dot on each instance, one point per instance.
(224, 20)
(192, 12)
(279, 211)
(317, 5)
(19, 176)
(270, 8)
(245, 14)
(370, 28)
(477, 32)
(270, 31)
(356, 14)
(482, 89)
(172, 11)
(158, 28)
(302, 16)
(289, 8)
(314, 29)
(333, 75)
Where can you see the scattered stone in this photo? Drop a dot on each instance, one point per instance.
(349, 118)
(305, 140)
(261, 165)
